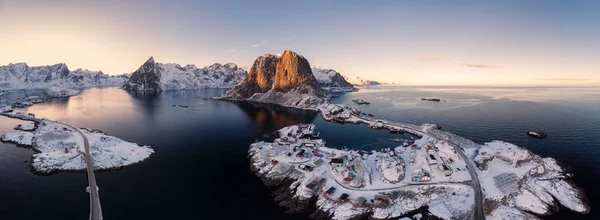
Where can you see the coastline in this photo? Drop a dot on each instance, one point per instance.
(52, 153)
(471, 148)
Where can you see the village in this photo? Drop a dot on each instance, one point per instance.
(353, 176)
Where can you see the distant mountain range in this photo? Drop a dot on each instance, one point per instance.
(355, 80)
(331, 80)
(154, 76)
(21, 76)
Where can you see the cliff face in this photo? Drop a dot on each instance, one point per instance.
(156, 77)
(260, 78)
(293, 70)
(146, 78)
(285, 80)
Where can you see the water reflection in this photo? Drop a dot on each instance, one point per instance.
(148, 102)
(271, 117)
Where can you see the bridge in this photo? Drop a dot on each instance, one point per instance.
(95, 208)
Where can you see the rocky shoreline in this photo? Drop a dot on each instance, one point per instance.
(543, 185)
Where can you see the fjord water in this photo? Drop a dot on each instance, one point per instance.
(200, 168)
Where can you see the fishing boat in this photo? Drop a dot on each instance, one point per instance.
(537, 134)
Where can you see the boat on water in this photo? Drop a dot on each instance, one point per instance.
(537, 134)
(431, 99)
(360, 102)
(396, 130)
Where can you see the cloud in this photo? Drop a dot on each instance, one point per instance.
(564, 79)
(431, 57)
(483, 66)
(263, 42)
(232, 50)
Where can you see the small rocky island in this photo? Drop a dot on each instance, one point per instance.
(60, 147)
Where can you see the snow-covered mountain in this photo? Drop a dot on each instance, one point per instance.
(355, 80)
(154, 76)
(331, 80)
(285, 80)
(21, 76)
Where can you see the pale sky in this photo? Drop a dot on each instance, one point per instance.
(409, 42)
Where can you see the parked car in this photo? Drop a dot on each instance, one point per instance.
(305, 167)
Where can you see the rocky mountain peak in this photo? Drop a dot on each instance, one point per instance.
(286, 80)
(156, 77)
(146, 78)
(150, 60)
(293, 69)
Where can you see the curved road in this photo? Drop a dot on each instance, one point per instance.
(95, 208)
(479, 213)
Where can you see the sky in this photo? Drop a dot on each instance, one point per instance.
(504, 43)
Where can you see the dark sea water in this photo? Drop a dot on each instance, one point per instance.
(200, 169)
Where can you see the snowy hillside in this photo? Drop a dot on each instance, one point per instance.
(21, 76)
(331, 80)
(355, 80)
(156, 76)
(175, 77)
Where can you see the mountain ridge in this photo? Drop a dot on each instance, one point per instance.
(156, 77)
(17, 76)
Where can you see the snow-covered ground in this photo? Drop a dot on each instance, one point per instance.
(5, 108)
(20, 138)
(60, 148)
(331, 80)
(539, 182)
(378, 177)
(427, 172)
(26, 127)
(56, 91)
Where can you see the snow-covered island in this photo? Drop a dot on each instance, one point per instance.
(58, 92)
(5, 108)
(433, 171)
(60, 147)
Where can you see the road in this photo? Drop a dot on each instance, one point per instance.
(95, 208)
(479, 208)
(479, 212)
